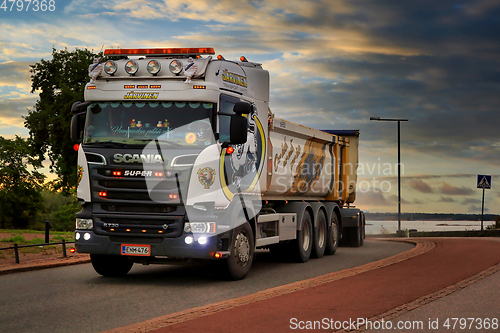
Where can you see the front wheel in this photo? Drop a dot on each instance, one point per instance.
(111, 265)
(241, 252)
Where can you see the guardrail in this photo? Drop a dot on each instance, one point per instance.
(17, 247)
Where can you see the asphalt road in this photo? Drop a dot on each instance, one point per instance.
(76, 299)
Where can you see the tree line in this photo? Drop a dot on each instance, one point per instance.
(26, 199)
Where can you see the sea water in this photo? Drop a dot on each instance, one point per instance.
(389, 227)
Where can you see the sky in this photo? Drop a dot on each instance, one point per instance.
(333, 65)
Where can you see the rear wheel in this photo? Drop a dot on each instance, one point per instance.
(111, 265)
(362, 229)
(332, 239)
(355, 234)
(303, 243)
(241, 252)
(320, 233)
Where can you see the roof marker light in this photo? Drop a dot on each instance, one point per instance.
(243, 59)
(220, 57)
(166, 51)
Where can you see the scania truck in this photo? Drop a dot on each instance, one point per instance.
(180, 159)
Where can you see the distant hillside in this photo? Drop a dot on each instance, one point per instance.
(428, 217)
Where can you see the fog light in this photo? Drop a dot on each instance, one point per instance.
(202, 240)
(175, 67)
(77, 236)
(131, 67)
(86, 236)
(189, 240)
(110, 67)
(153, 67)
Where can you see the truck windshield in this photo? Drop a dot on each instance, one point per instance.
(184, 124)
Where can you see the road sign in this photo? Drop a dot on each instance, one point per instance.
(483, 181)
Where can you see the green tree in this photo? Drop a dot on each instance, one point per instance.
(61, 82)
(60, 209)
(20, 187)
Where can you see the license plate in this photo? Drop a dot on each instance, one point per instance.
(135, 250)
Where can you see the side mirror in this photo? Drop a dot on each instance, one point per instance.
(78, 106)
(238, 129)
(77, 124)
(242, 108)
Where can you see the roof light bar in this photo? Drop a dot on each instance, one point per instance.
(170, 51)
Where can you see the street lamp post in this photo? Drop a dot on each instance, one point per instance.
(399, 163)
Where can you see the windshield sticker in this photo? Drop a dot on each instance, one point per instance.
(141, 95)
(190, 138)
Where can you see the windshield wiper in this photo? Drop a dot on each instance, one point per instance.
(175, 144)
(107, 144)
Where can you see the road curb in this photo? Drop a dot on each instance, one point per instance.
(25, 267)
(421, 247)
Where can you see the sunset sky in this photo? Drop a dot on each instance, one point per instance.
(333, 65)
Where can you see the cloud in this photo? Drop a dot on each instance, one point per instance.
(421, 186)
(446, 199)
(372, 198)
(452, 190)
(473, 209)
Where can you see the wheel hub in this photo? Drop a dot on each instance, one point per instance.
(242, 248)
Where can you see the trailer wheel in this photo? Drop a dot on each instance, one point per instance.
(303, 243)
(320, 234)
(241, 252)
(111, 265)
(332, 239)
(362, 229)
(355, 234)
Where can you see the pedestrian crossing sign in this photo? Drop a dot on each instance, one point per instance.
(483, 181)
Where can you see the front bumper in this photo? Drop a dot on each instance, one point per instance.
(160, 247)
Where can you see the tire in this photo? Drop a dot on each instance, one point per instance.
(111, 265)
(332, 239)
(303, 243)
(320, 234)
(355, 234)
(362, 229)
(241, 252)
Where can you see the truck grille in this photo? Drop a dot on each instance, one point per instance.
(107, 188)
(143, 225)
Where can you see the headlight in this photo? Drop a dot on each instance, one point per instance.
(153, 67)
(175, 67)
(84, 224)
(200, 227)
(110, 67)
(131, 67)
